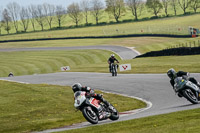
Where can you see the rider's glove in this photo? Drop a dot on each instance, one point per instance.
(88, 89)
(100, 95)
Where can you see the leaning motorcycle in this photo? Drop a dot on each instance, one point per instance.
(92, 109)
(187, 89)
(114, 67)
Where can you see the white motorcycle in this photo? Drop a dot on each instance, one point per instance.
(92, 109)
(187, 89)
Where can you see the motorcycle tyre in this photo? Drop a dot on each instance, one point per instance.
(93, 121)
(188, 97)
(114, 115)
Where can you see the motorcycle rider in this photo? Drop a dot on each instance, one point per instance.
(172, 74)
(111, 60)
(90, 93)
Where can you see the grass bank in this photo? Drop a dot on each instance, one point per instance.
(142, 44)
(178, 122)
(37, 62)
(27, 107)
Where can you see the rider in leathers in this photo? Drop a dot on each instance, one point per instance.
(111, 60)
(91, 93)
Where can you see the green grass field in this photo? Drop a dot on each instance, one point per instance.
(178, 122)
(170, 25)
(37, 62)
(27, 107)
(141, 44)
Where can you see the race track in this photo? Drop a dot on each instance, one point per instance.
(151, 87)
(154, 88)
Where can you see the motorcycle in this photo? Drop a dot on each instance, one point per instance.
(92, 109)
(114, 67)
(187, 89)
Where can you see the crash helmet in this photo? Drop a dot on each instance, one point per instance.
(171, 73)
(76, 87)
(112, 55)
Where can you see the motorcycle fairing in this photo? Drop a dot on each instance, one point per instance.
(79, 97)
(94, 102)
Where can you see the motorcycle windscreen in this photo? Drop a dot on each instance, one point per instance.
(79, 98)
(179, 83)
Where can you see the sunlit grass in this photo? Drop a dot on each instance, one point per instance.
(178, 122)
(27, 107)
(170, 25)
(142, 44)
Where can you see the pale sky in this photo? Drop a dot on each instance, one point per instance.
(25, 3)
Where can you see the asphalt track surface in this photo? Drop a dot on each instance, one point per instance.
(123, 52)
(153, 88)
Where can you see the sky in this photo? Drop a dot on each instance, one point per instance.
(25, 3)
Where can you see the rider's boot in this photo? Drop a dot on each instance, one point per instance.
(104, 115)
(107, 114)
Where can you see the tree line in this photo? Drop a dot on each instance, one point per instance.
(46, 13)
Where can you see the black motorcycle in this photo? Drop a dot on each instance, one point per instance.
(114, 68)
(187, 89)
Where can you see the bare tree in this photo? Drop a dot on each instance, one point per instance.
(32, 14)
(195, 4)
(39, 16)
(49, 12)
(97, 9)
(60, 15)
(136, 7)
(6, 20)
(74, 12)
(85, 6)
(166, 5)
(24, 16)
(1, 19)
(174, 4)
(184, 4)
(115, 8)
(13, 9)
(154, 5)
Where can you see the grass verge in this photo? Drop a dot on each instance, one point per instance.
(37, 62)
(178, 122)
(142, 44)
(28, 107)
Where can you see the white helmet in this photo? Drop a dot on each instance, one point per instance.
(112, 55)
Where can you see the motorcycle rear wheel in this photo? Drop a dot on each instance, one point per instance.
(190, 96)
(114, 114)
(90, 115)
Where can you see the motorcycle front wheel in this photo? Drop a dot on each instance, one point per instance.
(114, 72)
(190, 96)
(90, 115)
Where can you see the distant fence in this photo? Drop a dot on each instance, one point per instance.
(191, 48)
(99, 37)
